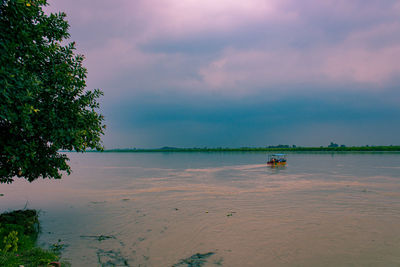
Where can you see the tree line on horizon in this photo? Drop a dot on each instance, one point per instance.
(289, 148)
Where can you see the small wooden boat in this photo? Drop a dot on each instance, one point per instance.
(277, 160)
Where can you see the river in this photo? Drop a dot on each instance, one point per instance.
(219, 209)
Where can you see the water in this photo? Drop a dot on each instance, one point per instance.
(155, 209)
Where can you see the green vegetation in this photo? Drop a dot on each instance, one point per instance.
(279, 148)
(18, 233)
(196, 260)
(44, 106)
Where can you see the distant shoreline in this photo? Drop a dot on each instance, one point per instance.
(260, 149)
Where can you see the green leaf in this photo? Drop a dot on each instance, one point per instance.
(44, 104)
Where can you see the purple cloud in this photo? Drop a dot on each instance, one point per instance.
(230, 50)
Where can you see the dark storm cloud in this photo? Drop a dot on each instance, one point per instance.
(249, 122)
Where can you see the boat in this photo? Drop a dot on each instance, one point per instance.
(277, 160)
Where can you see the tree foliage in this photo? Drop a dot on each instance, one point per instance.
(44, 107)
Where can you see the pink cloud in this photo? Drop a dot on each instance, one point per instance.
(360, 58)
(359, 55)
(368, 56)
(374, 67)
(175, 17)
(183, 17)
(254, 69)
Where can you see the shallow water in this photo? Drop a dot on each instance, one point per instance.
(155, 209)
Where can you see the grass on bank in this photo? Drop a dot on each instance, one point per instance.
(18, 234)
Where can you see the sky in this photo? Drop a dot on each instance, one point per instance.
(229, 73)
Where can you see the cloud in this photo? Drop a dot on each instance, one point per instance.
(238, 46)
(344, 64)
(187, 17)
(367, 56)
(348, 118)
(190, 73)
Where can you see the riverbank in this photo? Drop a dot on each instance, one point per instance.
(18, 232)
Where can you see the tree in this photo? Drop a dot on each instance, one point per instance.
(332, 144)
(44, 106)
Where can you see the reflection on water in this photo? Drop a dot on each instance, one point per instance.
(277, 168)
(229, 209)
